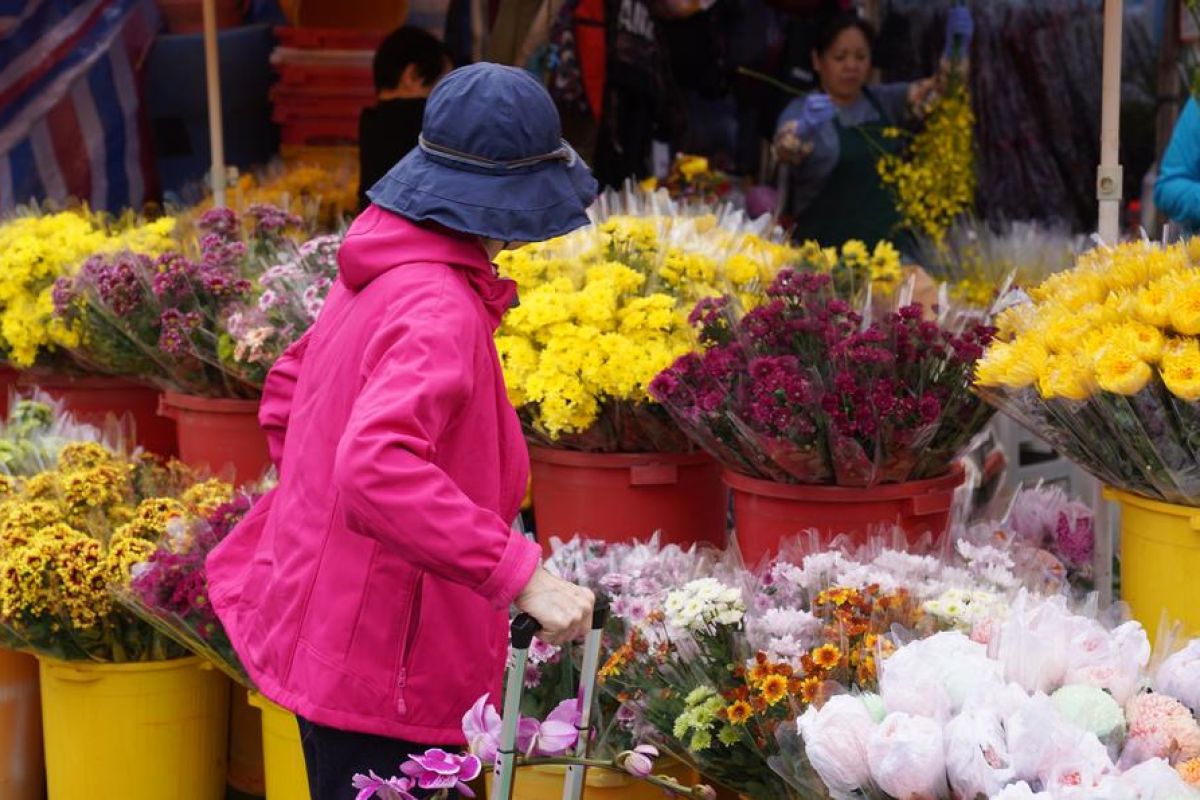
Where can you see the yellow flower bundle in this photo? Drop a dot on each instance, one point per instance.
(933, 181)
(1104, 362)
(605, 309)
(36, 250)
(71, 536)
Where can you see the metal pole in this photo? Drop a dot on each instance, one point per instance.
(1108, 178)
(212, 76)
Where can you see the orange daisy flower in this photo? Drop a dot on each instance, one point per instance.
(774, 689)
(739, 712)
(827, 656)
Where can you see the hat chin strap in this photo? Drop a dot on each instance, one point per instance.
(563, 153)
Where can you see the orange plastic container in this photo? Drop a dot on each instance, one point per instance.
(623, 496)
(217, 433)
(93, 398)
(765, 512)
(23, 769)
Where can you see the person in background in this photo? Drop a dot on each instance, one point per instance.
(408, 64)
(369, 592)
(834, 138)
(1177, 189)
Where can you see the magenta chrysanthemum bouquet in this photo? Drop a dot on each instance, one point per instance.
(170, 589)
(809, 387)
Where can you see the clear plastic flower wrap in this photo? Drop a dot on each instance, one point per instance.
(604, 309)
(1103, 363)
(830, 378)
(731, 661)
(977, 259)
(169, 589)
(206, 319)
(1022, 731)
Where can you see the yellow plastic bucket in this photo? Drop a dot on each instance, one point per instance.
(146, 731)
(546, 783)
(245, 745)
(22, 770)
(1160, 561)
(283, 758)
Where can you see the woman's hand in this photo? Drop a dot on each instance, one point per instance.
(793, 140)
(563, 609)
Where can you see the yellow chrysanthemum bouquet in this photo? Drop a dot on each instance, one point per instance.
(36, 250)
(70, 538)
(1103, 362)
(605, 309)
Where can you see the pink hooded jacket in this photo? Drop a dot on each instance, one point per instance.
(370, 591)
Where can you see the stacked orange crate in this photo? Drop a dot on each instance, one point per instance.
(324, 83)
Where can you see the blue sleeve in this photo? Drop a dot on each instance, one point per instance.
(808, 178)
(1177, 191)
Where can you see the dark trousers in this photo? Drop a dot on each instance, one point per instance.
(333, 757)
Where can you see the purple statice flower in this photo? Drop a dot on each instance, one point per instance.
(175, 332)
(314, 297)
(222, 283)
(118, 282)
(221, 254)
(222, 222)
(173, 276)
(1076, 536)
(63, 294)
(270, 220)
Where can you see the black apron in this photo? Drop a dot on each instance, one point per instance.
(854, 203)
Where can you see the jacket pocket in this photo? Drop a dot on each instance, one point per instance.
(407, 639)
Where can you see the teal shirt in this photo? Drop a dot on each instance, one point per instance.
(808, 178)
(1177, 190)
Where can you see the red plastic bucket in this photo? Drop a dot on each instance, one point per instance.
(92, 398)
(765, 512)
(216, 433)
(618, 497)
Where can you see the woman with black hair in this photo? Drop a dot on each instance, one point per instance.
(406, 67)
(833, 138)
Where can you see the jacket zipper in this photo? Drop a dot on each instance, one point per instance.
(410, 635)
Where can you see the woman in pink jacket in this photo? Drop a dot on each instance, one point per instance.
(370, 592)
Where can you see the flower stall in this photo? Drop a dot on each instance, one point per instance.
(1102, 362)
(601, 312)
(830, 400)
(204, 321)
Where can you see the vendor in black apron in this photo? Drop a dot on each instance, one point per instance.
(833, 139)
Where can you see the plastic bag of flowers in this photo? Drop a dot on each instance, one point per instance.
(39, 247)
(69, 536)
(604, 309)
(207, 319)
(977, 259)
(727, 659)
(38, 427)
(1103, 363)
(1051, 703)
(169, 588)
(830, 376)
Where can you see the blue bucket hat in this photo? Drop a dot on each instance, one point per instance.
(491, 161)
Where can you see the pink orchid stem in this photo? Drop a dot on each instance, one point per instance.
(669, 785)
